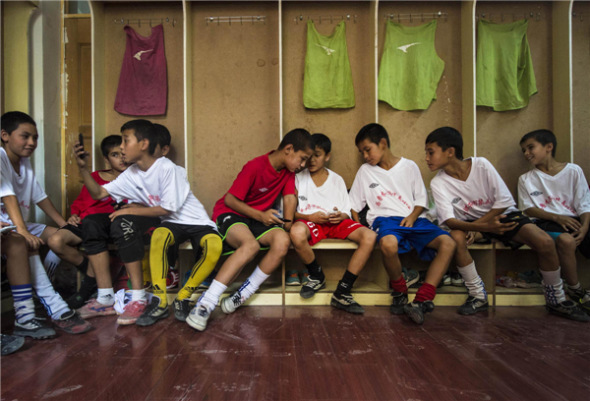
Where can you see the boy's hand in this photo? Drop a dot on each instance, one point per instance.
(336, 218)
(408, 221)
(269, 217)
(74, 220)
(580, 235)
(470, 237)
(568, 223)
(33, 242)
(497, 227)
(79, 151)
(319, 218)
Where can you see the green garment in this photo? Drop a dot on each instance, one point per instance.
(410, 68)
(327, 82)
(505, 76)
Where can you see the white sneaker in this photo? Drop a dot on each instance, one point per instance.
(198, 317)
(231, 303)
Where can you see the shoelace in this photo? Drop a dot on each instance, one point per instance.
(237, 299)
(202, 311)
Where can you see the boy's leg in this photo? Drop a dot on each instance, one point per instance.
(300, 234)
(52, 260)
(64, 244)
(566, 249)
(477, 299)
(393, 266)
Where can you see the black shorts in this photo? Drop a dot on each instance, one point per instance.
(553, 227)
(228, 220)
(76, 230)
(184, 232)
(506, 238)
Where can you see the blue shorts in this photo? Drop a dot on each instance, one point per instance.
(417, 237)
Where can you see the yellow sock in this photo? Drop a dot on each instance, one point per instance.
(211, 245)
(162, 239)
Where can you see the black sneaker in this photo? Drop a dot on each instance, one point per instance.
(11, 344)
(400, 299)
(569, 310)
(312, 286)
(152, 313)
(72, 323)
(87, 290)
(580, 296)
(35, 328)
(182, 309)
(416, 310)
(473, 305)
(347, 303)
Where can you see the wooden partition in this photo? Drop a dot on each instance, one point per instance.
(581, 84)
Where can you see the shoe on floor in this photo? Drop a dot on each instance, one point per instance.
(93, 308)
(35, 328)
(72, 323)
(347, 303)
(446, 280)
(231, 303)
(569, 310)
(312, 286)
(416, 310)
(411, 276)
(400, 299)
(182, 309)
(133, 311)
(87, 290)
(580, 296)
(473, 305)
(198, 317)
(152, 313)
(11, 344)
(457, 279)
(292, 278)
(172, 279)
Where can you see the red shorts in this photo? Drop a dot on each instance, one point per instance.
(322, 231)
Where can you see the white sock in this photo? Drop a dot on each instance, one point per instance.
(252, 283)
(106, 296)
(473, 281)
(210, 298)
(51, 263)
(553, 286)
(138, 295)
(51, 300)
(575, 287)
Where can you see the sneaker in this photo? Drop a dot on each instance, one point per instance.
(347, 303)
(153, 313)
(580, 296)
(11, 344)
(93, 308)
(133, 311)
(87, 290)
(292, 278)
(72, 323)
(35, 328)
(304, 278)
(473, 305)
(446, 280)
(198, 317)
(569, 310)
(231, 303)
(311, 287)
(400, 299)
(172, 279)
(457, 280)
(416, 310)
(182, 309)
(411, 276)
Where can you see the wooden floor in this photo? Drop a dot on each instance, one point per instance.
(312, 353)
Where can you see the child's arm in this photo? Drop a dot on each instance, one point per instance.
(268, 217)
(411, 219)
(317, 217)
(152, 211)
(355, 216)
(489, 223)
(47, 206)
(289, 207)
(95, 190)
(13, 210)
(568, 223)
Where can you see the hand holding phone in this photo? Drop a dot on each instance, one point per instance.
(81, 141)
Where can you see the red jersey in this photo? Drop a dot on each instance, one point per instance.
(258, 185)
(142, 84)
(85, 205)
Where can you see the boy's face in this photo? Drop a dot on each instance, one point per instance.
(535, 152)
(436, 157)
(372, 152)
(317, 160)
(115, 159)
(21, 142)
(131, 147)
(295, 161)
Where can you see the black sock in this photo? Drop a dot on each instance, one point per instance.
(345, 285)
(87, 287)
(83, 267)
(315, 270)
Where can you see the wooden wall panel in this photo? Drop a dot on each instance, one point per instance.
(114, 49)
(235, 93)
(499, 133)
(340, 125)
(408, 129)
(581, 84)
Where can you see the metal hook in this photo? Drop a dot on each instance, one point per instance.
(348, 17)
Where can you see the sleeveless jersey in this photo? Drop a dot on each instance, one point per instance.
(327, 81)
(410, 68)
(505, 76)
(142, 84)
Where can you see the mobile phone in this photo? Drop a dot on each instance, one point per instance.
(81, 140)
(7, 229)
(284, 220)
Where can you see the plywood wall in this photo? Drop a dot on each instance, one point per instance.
(581, 84)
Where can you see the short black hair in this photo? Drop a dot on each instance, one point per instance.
(110, 142)
(373, 132)
(12, 119)
(543, 136)
(321, 141)
(300, 138)
(164, 137)
(447, 137)
(143, 129)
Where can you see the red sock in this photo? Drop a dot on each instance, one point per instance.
(399, 285)
(426, 292)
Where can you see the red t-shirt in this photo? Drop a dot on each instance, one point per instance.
(85, 205)
(258, 185)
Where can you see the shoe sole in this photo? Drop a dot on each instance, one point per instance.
(292, 283)
(97, 314)
(311, 294)
(14, 346)
(35, 336)
(414, 314)
(76, 329)
(196, 325)
(126, 321)
(473, 311)
(151, 322)
(578, 318)
(346, 308)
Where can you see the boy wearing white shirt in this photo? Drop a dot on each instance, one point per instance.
(557, 196)
(323, 211)
(393, 189)
(471, 197)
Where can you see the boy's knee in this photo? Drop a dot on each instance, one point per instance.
(212, 246)
(368, 237)
(459, 237)
(388, 245)
(447, 245)
(56, 242)
(298, 233)
(281, 243)
(162, 236)
(565, 242)
(250, 247)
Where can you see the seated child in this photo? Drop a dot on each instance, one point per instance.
(471, 197)
(323, 212)
(557, 196)
(20, 192)
(393, 189)
(71, 234)
(247, 221)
